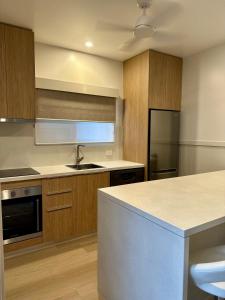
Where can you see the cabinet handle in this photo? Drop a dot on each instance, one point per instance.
(61, 207)
(59, 192)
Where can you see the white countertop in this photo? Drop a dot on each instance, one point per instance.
(184, 205)
(63, 170)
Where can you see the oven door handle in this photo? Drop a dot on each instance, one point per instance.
(37, 214)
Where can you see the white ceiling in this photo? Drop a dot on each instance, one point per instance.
(194, 25)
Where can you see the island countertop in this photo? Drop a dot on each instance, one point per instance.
(184, 205)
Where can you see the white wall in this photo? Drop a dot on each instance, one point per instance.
(203, 112)
(67, 65)
(17, 147)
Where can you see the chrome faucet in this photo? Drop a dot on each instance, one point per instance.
(79, 158)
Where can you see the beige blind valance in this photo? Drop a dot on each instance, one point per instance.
(73, 106)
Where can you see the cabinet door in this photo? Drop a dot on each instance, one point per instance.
(85, 199)
(174, 82)
(58, 225)
(136, 77)
(20, 77)
(57, 209)
(165, 81)
(3, 107)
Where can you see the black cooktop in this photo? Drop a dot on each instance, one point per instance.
(17, 172)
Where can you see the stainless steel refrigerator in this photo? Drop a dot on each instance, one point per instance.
(163, 144)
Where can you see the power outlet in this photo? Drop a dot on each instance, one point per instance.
(108, 153)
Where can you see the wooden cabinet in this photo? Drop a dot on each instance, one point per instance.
(151, 80)
(3, 107)
(85, 199)
(70, 205)
(17, 87)
(20, 184)
(136, 85)
(57, 208)
(165, 81)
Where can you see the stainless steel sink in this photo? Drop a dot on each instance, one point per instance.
(84, 166)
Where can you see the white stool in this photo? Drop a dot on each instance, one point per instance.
(208, 270)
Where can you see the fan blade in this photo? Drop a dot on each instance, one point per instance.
(166, 36)
(171, 12)
(105, 26)
(129, 45)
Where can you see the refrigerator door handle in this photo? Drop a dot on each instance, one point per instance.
(165, 171)
(163, 174)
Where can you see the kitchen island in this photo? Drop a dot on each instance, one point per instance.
(149, 231)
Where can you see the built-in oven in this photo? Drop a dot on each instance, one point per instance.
(21, 213)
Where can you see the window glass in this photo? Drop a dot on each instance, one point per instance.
(94, 132)
(70, 132)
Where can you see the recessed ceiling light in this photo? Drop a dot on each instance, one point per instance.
(89, 44)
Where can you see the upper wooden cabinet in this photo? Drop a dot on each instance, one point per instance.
(165, 81)
(3, 107)
(17, 72)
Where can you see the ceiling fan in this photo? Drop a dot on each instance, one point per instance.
(145, 26)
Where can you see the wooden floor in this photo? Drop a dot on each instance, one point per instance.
(61, 272)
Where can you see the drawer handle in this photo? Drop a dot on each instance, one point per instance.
(59, 192)
(59, 208)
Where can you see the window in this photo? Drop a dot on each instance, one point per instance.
(71, 132)
(94, 132)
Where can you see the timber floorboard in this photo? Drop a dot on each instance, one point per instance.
(66, 271)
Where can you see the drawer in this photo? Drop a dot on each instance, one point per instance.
(58, 186)
(19, 184)
(58, 202)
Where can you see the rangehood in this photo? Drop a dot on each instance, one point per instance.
(15, 120)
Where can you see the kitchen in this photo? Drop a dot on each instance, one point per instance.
(88, 96)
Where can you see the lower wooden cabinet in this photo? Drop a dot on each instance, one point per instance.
(85, 201)
(58, 225)
(57, 208)
(70, 205)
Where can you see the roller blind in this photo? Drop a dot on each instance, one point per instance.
(73, 106)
